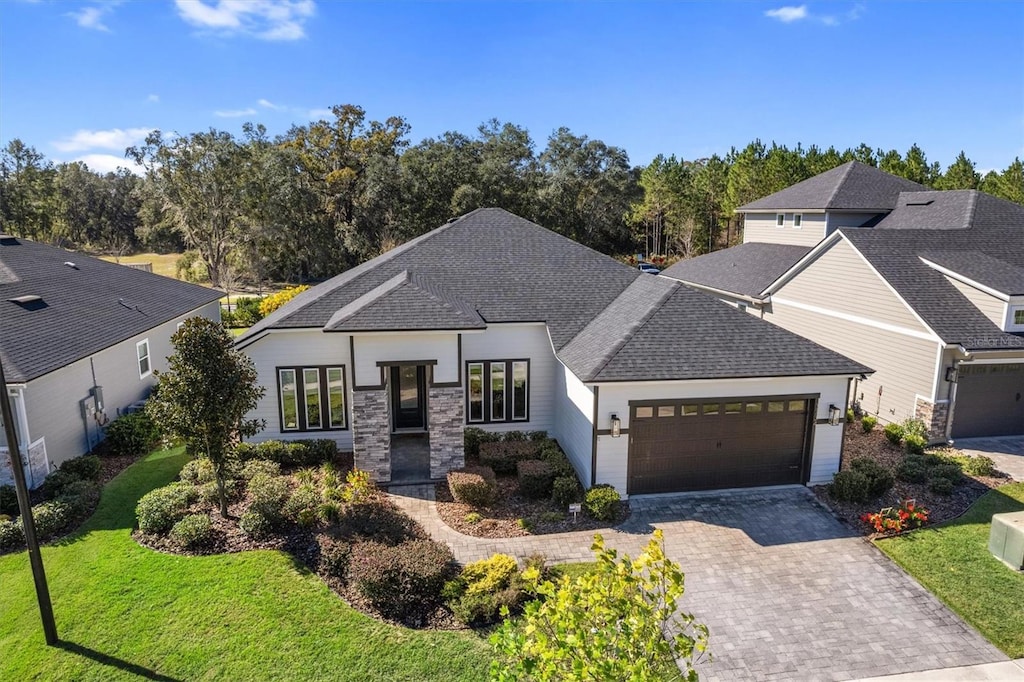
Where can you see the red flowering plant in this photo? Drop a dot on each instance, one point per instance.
(896, 519)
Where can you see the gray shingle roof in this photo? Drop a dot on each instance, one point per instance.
(952, 210)
(607, 321)
(746, 269)
(981, 268)
(84, 309)
(854, 186)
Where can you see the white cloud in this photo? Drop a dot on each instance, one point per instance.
(91, 17)
(788, 13)
(235, 113)
(320, 113)
(108, 163)
(115, 138)
(262, 19)
(155, 99)
(267, 104)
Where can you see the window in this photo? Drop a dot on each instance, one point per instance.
(497, 391)
(776, 406)
(798, 221)
(312, 398)
(644, 412)
(780, 220)
(797, 405)
(753, 408)
(710, 408)
(142, 351)
(666, 410)
(689, 410)
(1018, 317)
(733, 408)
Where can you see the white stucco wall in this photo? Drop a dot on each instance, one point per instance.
(574, 418)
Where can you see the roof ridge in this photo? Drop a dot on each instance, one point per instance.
(835, 190)
(619, 344)
(972, 207)
(374, 294)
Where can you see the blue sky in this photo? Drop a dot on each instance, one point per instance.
(81, 80)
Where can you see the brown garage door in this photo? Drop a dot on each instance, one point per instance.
(718, 443)
(989, 401)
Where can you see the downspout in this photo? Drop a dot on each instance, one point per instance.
(593, 444)
(842, 436)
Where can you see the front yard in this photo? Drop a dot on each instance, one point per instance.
(952, 560)
(124, 611)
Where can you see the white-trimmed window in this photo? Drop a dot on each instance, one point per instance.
(142, 355)
(520, 394)
(780, 220)
(798, 221)
(312, 398)
(1017, 319)
(497, 391)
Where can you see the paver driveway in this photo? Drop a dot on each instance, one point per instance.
(787, 592)
(1006, 451)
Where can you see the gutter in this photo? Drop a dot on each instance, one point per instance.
(951, 392)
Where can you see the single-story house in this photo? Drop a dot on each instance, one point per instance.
(928, 290)
(79, 340)
(492, 321)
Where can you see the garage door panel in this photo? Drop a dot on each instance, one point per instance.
(728, 443)
(989, 401)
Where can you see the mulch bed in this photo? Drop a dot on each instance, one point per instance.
(501, 520)
(873, 445)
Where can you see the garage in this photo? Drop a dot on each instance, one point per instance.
(681, 445)
(989, 401)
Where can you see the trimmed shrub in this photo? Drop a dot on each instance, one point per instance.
(255, 525)
(259, 466)
(473, 486)
(12, 536)
(52, 517)
(483, 587)
(56, 481)
(379, 520)
(503, 456)
(404, 580)
(198, 470)
(192, 532)
(209, 494)
(914, 427)
(566, 490)
(868, 423)
(850, 486)
(317, 451)
(535, 478)
(472, 437)
(978, 465)
(131, 434)
(893, 433)
(334, 557)
(8, 500)
(913, 469)
(879, 478)
(941, 486)
(267, 495)
(82, 497)
(472, 518)
(86, 467)
(359, 485)
(950, 472)
(914, 444)
(602, 502)
(302, 506)
(488, 575)
(246, 452)
(160, 509)
(553, 455)
(851, 416)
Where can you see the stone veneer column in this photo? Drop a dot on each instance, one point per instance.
(371, 433)
(445, 416)
(934, 417)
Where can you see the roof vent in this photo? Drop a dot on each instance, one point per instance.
(29, 301)
(927, 202)
(8, 240)
(70, 265)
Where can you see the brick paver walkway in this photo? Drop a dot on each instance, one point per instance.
(1006, 451)
(787, 592)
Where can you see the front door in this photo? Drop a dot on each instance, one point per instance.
(408, 396)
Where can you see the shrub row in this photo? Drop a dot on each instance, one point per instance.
(160, 509)
(503, 456)
(131, 434)
(289, 453)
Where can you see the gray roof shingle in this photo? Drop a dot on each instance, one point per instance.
(952, 210)
(607, 321)
(746, 269)
(84, 309)
(853, 186)
(981, 268)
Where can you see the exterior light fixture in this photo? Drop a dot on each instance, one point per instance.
(951, 374)
(834, 414)
(616, 429)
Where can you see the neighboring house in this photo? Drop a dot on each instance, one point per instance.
(79, 340)
(929, 291)
(494, 322)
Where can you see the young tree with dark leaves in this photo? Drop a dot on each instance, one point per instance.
(205, 395)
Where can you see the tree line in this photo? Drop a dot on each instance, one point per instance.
(326, 195)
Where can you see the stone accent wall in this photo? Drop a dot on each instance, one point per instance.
(934, 417)
(371, 433)
(445, 416)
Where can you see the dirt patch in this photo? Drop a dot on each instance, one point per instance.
(513, 515)
(874, 446)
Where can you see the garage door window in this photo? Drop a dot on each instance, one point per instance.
(644, 412)
(798, 406)
(753, 408)
(776, 406)
(666, 410)
(690, 410)
(733, 408)
(710, 408)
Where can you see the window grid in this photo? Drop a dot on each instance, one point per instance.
(142, 353)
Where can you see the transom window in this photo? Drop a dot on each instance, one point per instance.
(142, 355)
(312, 398)
(497, 391)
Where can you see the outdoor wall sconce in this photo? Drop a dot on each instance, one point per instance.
(951, 374)
(616, 429)
(833, 415)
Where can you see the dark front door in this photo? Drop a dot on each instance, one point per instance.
(718, 443)
(408, 396)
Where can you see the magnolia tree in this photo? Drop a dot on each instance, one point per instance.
(204, 396)
(618, 622)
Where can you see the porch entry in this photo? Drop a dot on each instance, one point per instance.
(409, 397)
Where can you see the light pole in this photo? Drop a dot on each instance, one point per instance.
(25, 508)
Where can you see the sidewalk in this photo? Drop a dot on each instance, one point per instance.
(1004, 671)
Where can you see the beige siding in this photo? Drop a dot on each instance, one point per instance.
(841, 280)
(760, 227)
(993, 308)
(52, 402)
(297, 349)
(905, 366)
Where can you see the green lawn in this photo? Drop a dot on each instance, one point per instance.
(125, 612)
(163, 263)
(952, 560)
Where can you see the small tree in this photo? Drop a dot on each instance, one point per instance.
(614, 623)
(204, 396)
